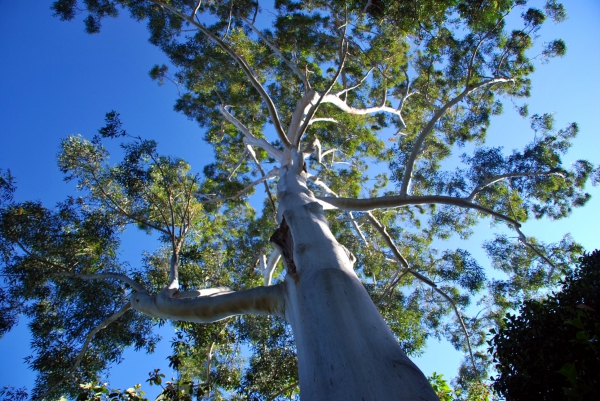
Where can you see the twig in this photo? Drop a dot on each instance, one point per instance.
(282, 391)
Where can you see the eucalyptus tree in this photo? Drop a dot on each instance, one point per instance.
(301, 98)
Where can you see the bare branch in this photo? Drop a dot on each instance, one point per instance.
(342, 105)
(392, 245)
(345, 90)
(201, 293)
(241, 61)
(273, 173)
(495, 179)
(301, 114)
(108, 275)
(268, 266)
(262, 172)
(251, 139)
(197, 8)
(315, 120)
(357, 228)
(462, 323)
(239, 163)
(364, 205)
(229, 20)
(523, 240)
(211, 308)
(86, 344)
(429, 128)
(313, 110)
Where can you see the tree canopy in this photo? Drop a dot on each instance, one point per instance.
(332, 81)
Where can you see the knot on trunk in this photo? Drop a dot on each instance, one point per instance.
(282, 237)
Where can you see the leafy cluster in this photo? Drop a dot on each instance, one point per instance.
(549, 351)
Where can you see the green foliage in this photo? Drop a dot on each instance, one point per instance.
(446, 66)
(549, 351)
(476, 391)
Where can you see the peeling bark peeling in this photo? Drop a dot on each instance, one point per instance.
(282, 237)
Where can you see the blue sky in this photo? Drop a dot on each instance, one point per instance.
(57, 81)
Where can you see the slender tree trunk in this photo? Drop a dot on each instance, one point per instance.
(345, 349)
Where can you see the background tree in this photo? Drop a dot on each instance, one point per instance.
(550, 350)
(457, 90)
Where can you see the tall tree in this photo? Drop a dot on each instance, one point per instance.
(313, 97)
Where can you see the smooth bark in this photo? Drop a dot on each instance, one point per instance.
(345, 349)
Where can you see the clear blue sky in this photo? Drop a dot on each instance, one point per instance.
(56, 81)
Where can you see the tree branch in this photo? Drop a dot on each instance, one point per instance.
(311, 112)
(239, 163)
(282, 391)
(86, 344)
(271, 174)
(495, 179)
(268, 266)
(392, 245)
(429, 128)
(292, 66)
(364, 205)
(345, 90)
(262, 172)
(98, 276)
(523, 240)
(241, 61)
(211, 308)
(342, 105)
(251, 139)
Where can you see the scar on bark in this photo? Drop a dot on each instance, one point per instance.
(282, 237)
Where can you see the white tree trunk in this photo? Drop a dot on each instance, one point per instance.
(345, 349)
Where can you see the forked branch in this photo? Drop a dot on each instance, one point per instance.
(418, 145)
(249, 137)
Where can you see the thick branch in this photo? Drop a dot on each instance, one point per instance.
(301, 114)
(410, 164)
(200, 293)
(342, 105)
(206, 309)
(365, 205)
(243, 65)
(311, 112)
